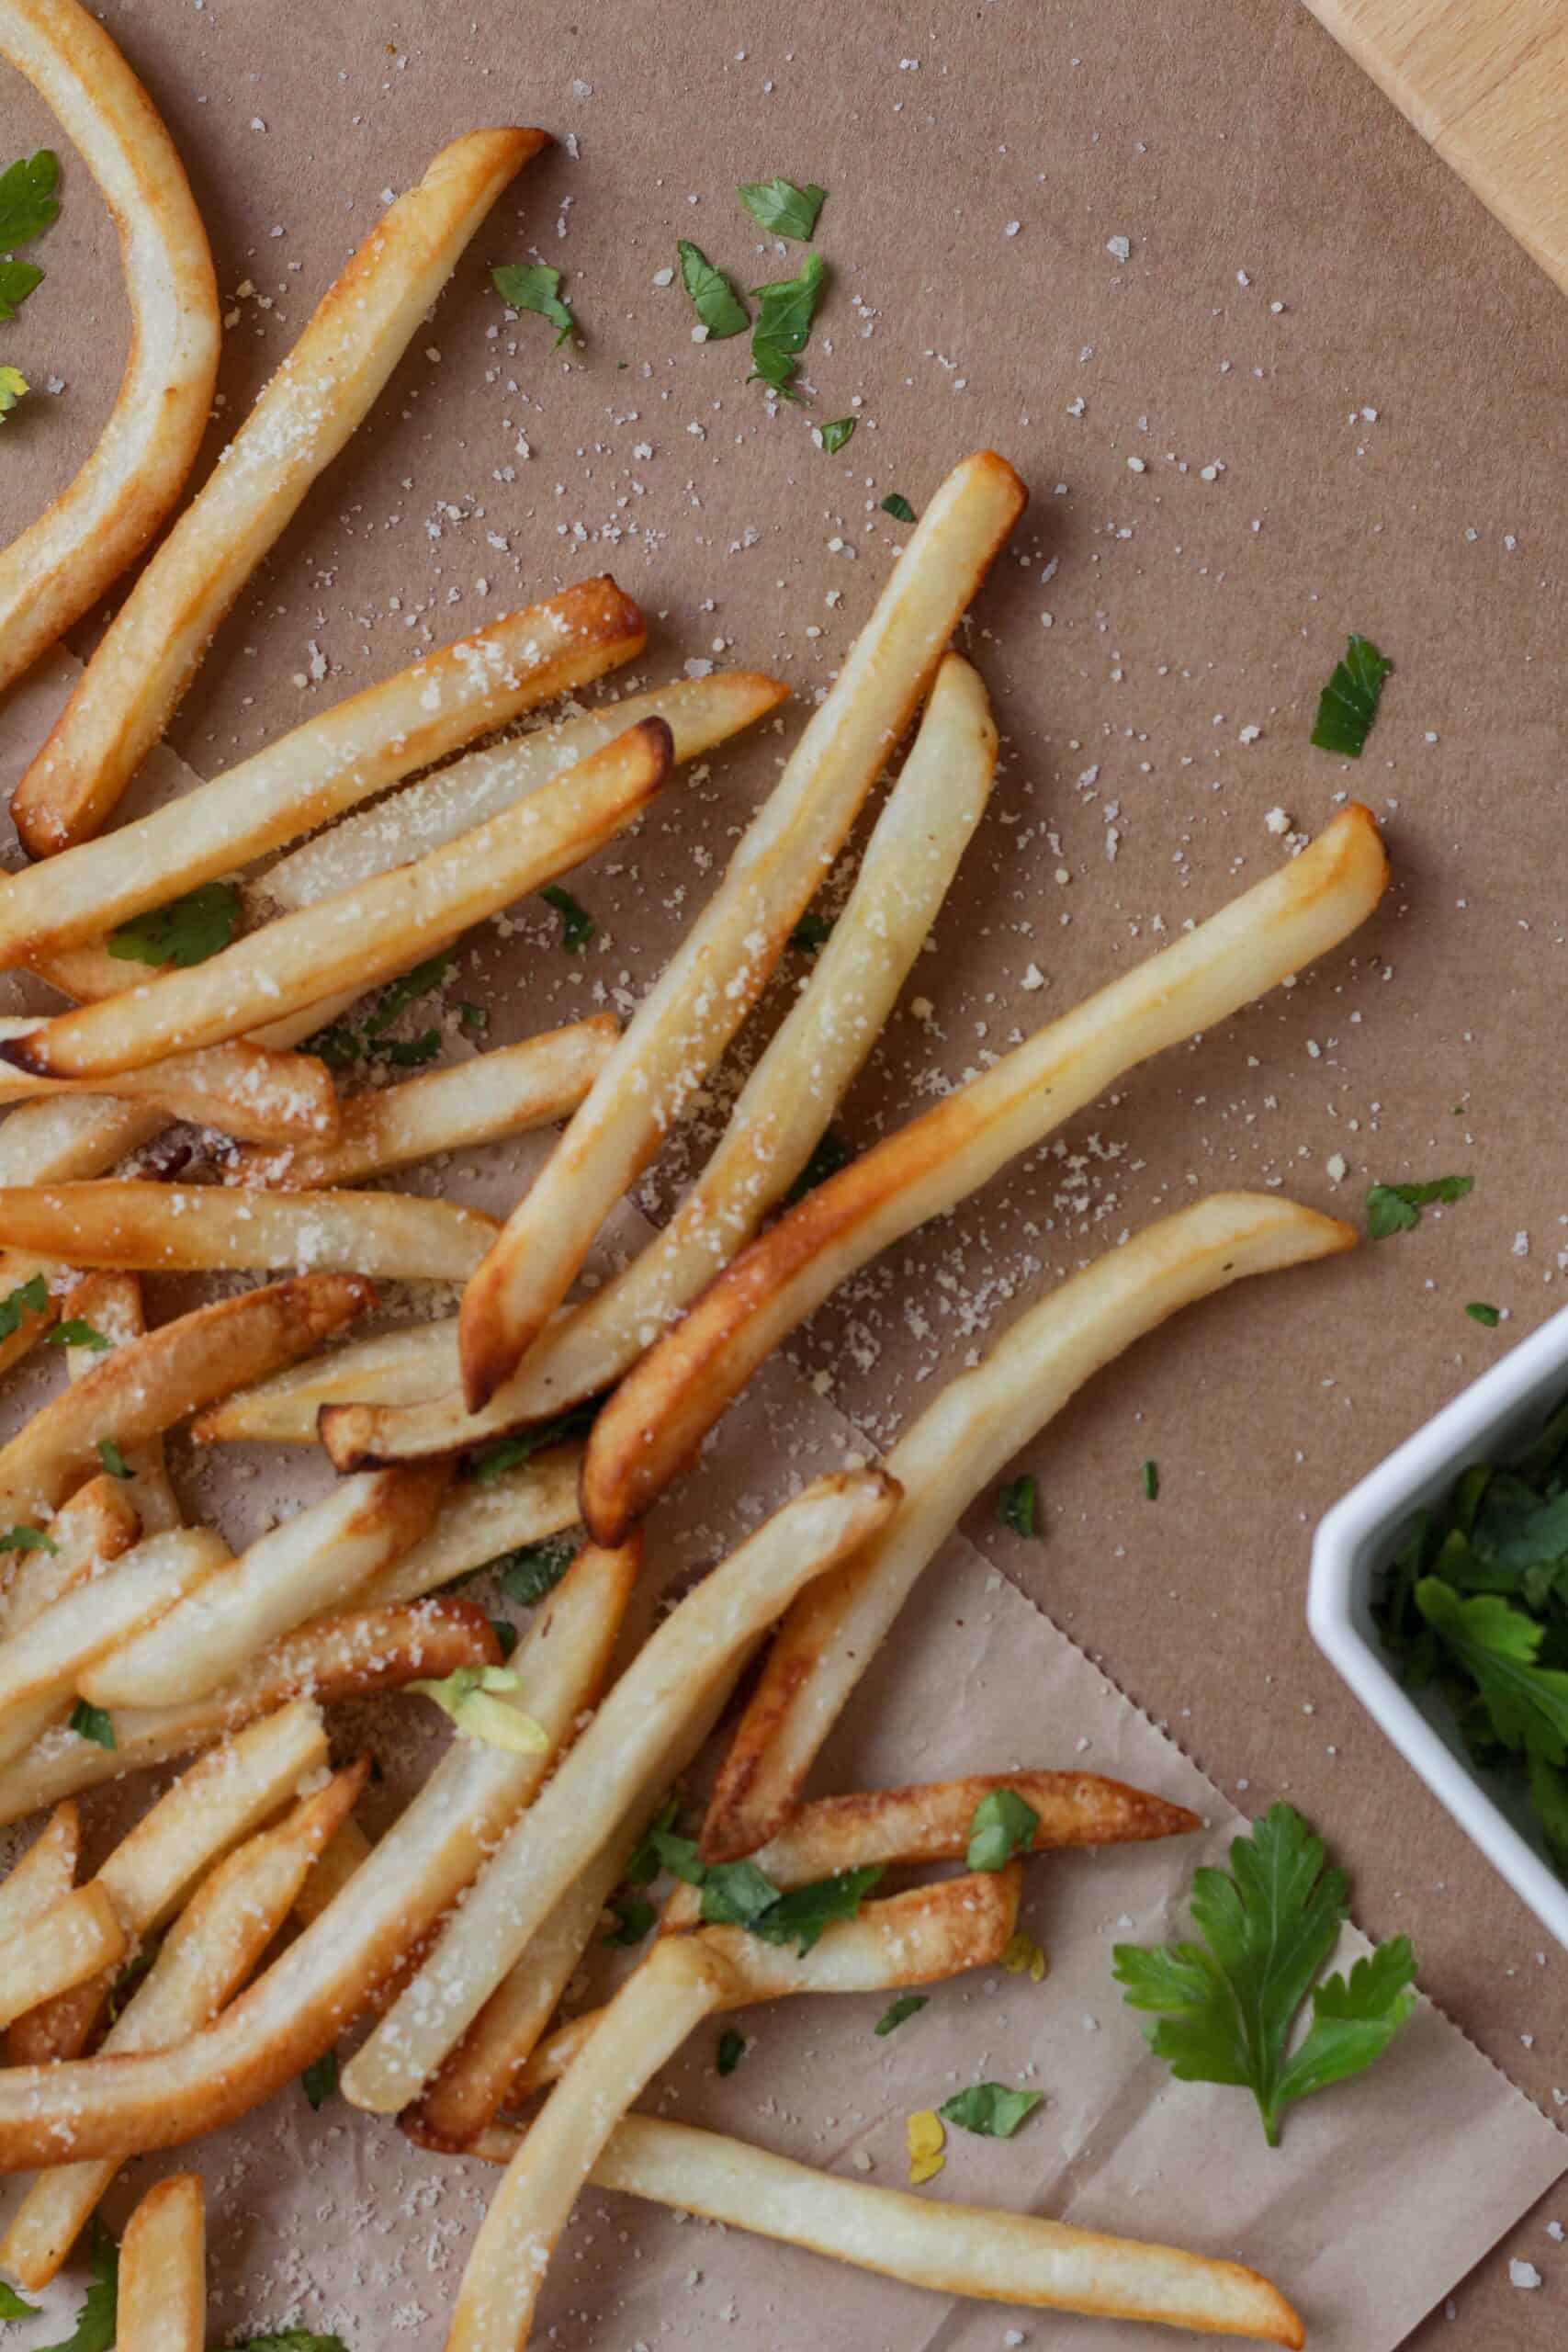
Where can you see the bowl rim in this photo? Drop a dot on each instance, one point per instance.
(1351, 1539)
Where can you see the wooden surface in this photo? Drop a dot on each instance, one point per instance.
(1485, 82)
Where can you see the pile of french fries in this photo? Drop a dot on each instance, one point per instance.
(129, 1638)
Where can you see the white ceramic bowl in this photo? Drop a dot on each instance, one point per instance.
(1488, 1421)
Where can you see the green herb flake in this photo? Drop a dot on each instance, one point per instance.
(717, 305)
(27, 200)
(1395, 1208)
(338, 1046)
(12, 2306)
(506, 1636)
(812, 932)
(535, 1570)
(1348, 703)
(990, 2109)
(784, 311)
(1150, 1481)
(644, 1863)
(1000, 1827)
(1479, 1312)
(800, 1916)
(577, 925)
(293, 2339)
(26, 1539)
(77, 1332)
(473, 1020)
(898, 506)
(829, 1154)
(92, 1723)
(414, 1053)
(319, 2080)
(504, 1453)
(1016, 1503)
(535, 286)
(731, 2050)
(832, 437)
(634, 1915)
(17, 279)
(187, 931)
(14, 387)
(1227, 2006)
(30, 1297)
(781, 208)
(433, 973)
(135, 1972)
(898, 2013)
(113, 1460)
(96, 2321)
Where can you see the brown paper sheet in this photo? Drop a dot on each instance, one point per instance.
(1206, 596)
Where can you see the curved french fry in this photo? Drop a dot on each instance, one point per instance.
(61, 564)
(354, 339)
(414, 1364)
(150, 1227)
(658, 1417)
(161, 2305)
(479, 1521)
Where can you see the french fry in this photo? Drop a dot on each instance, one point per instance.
(916, 1938)
(479, 1520)
(655, 2010)
(954, 1450)
(414, 1364)
(364, 934)
(41, 1667)
(953, 2249)
(206, 1957)
(693, 1655)
(46, 1872)
(102, 520)
(156, 641)
(781, 1112)
(345, 1851)
(77, 1937)
(86, 2108)
(307, 777)
(503, 1094)
(141, 1390)
(700, 713)
(161, 2301)
(316, 1560)
(337, 1658)
(215, 1227)
(709, 985)
(111, 1305)
(248, 1092)
(99, 1523)
(659, 1417)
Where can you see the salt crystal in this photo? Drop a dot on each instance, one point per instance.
(1523, 2274)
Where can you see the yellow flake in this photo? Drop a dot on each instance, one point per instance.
(927, 2139)
(1024, 1957)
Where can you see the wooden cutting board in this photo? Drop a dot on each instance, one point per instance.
(1485, 82)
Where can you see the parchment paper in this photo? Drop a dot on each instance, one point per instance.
(1207, 595)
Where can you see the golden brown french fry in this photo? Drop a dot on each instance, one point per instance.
(46, 1872)
(84, 2108)
(207, 1956)
(98, 1525)
(691, 1656)
(678, 1984)
(315, 1561)
(308, 776)
(953, 2249)
(717, 974)
(480, 1519)
(143, 1389)
(77, 1937)
(657, 1419)
(915, 1938)
(149, 1226)
(364, 936)
(354, 339)
(699, 712)
(105, 516)
(410, 1364)
(110, 1305)
(782, 1111)
(162, 2300)
(337, 1658)
(248, 1092)
(956, 1448)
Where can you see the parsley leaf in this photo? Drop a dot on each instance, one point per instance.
(17, 279)
(829, 1153)
(1479, 1312)
(800, 1917)
(95, 2321)
(473, 1020)
(812, 932)
(633, 1917)
(644, 1862)
(1015, 1504)
(739, 1895)
(898, 506)
(1002, 1825)
(989, 2109)
(293, 2339)
(319, 2080)
(784, 311)
(113, 1460)
(14, 387)
(187, 931)
(577, 925)
(1498, 1647)
(1348, 703)
(77, 1332)
(27, 201)
(1228, 2006)
(12, 2306)
(1150, 1481)
(30, 1297)
(26, 1539)
(535, 286)
(340, 1046)
(713, 298)
(408, 988)
(832, 437)
(535, 1569)
(504, 1454)
(897, 2012)
(92, 1723)
(506, 1636)
(134, 1974)
(1394, 1208)
(731, 2050)
(779, 205)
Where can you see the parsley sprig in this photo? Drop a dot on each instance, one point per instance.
(535, 286)
(1348, 703)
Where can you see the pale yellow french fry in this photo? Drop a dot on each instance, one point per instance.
(678, 1984)
(658, 1417)
(150, 1226)
(951, 2249)
(161, 2301)
(85, 2108)
(248, 1092)
(308, 776)
(207, 1956)
(354, 339)
(76, 1937)
(345, 1851)
(111, 1305)
(700, 713)
(61, 564)
(318, 1558)
(98, 1525)
(415, 1363)
(781, 1112)
(46, 1872)
(619, 1760)
(149, 1384)
(958, 1445)
(480, 1518)
(507, 1092)
(717, 974)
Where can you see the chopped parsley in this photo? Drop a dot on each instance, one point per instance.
(832, 437)
(96, 2321)
(1348, 703)
(535, 1570)
(344, 1044)
(92, 1723)
(408, 988)
(1227, 2006)
(740, 1895)
(504, 1453)
(1395, 1208)
(14, 387)
(577, 925)
(535, 286)
(717, 305)
(506, 1636)
(989, 2109)
(27, 202)
(1479, 1312)
(113, 1460)
(30, 1297)
(898, 2013)
(643, 1864)
(319, 2080)
(77, 1332)
(1002, 1825)
(812, 932)
(12, 2306)
(731, 2050)
(26, 1539)
(1015, 1504)
(293, 2339)
(634, 1915)
(134, 1973)
(829, 1154)
(780, 206)
(898, 506)
(473, 1020)
(1150, 1481)
(784, 311)
(187, 931)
